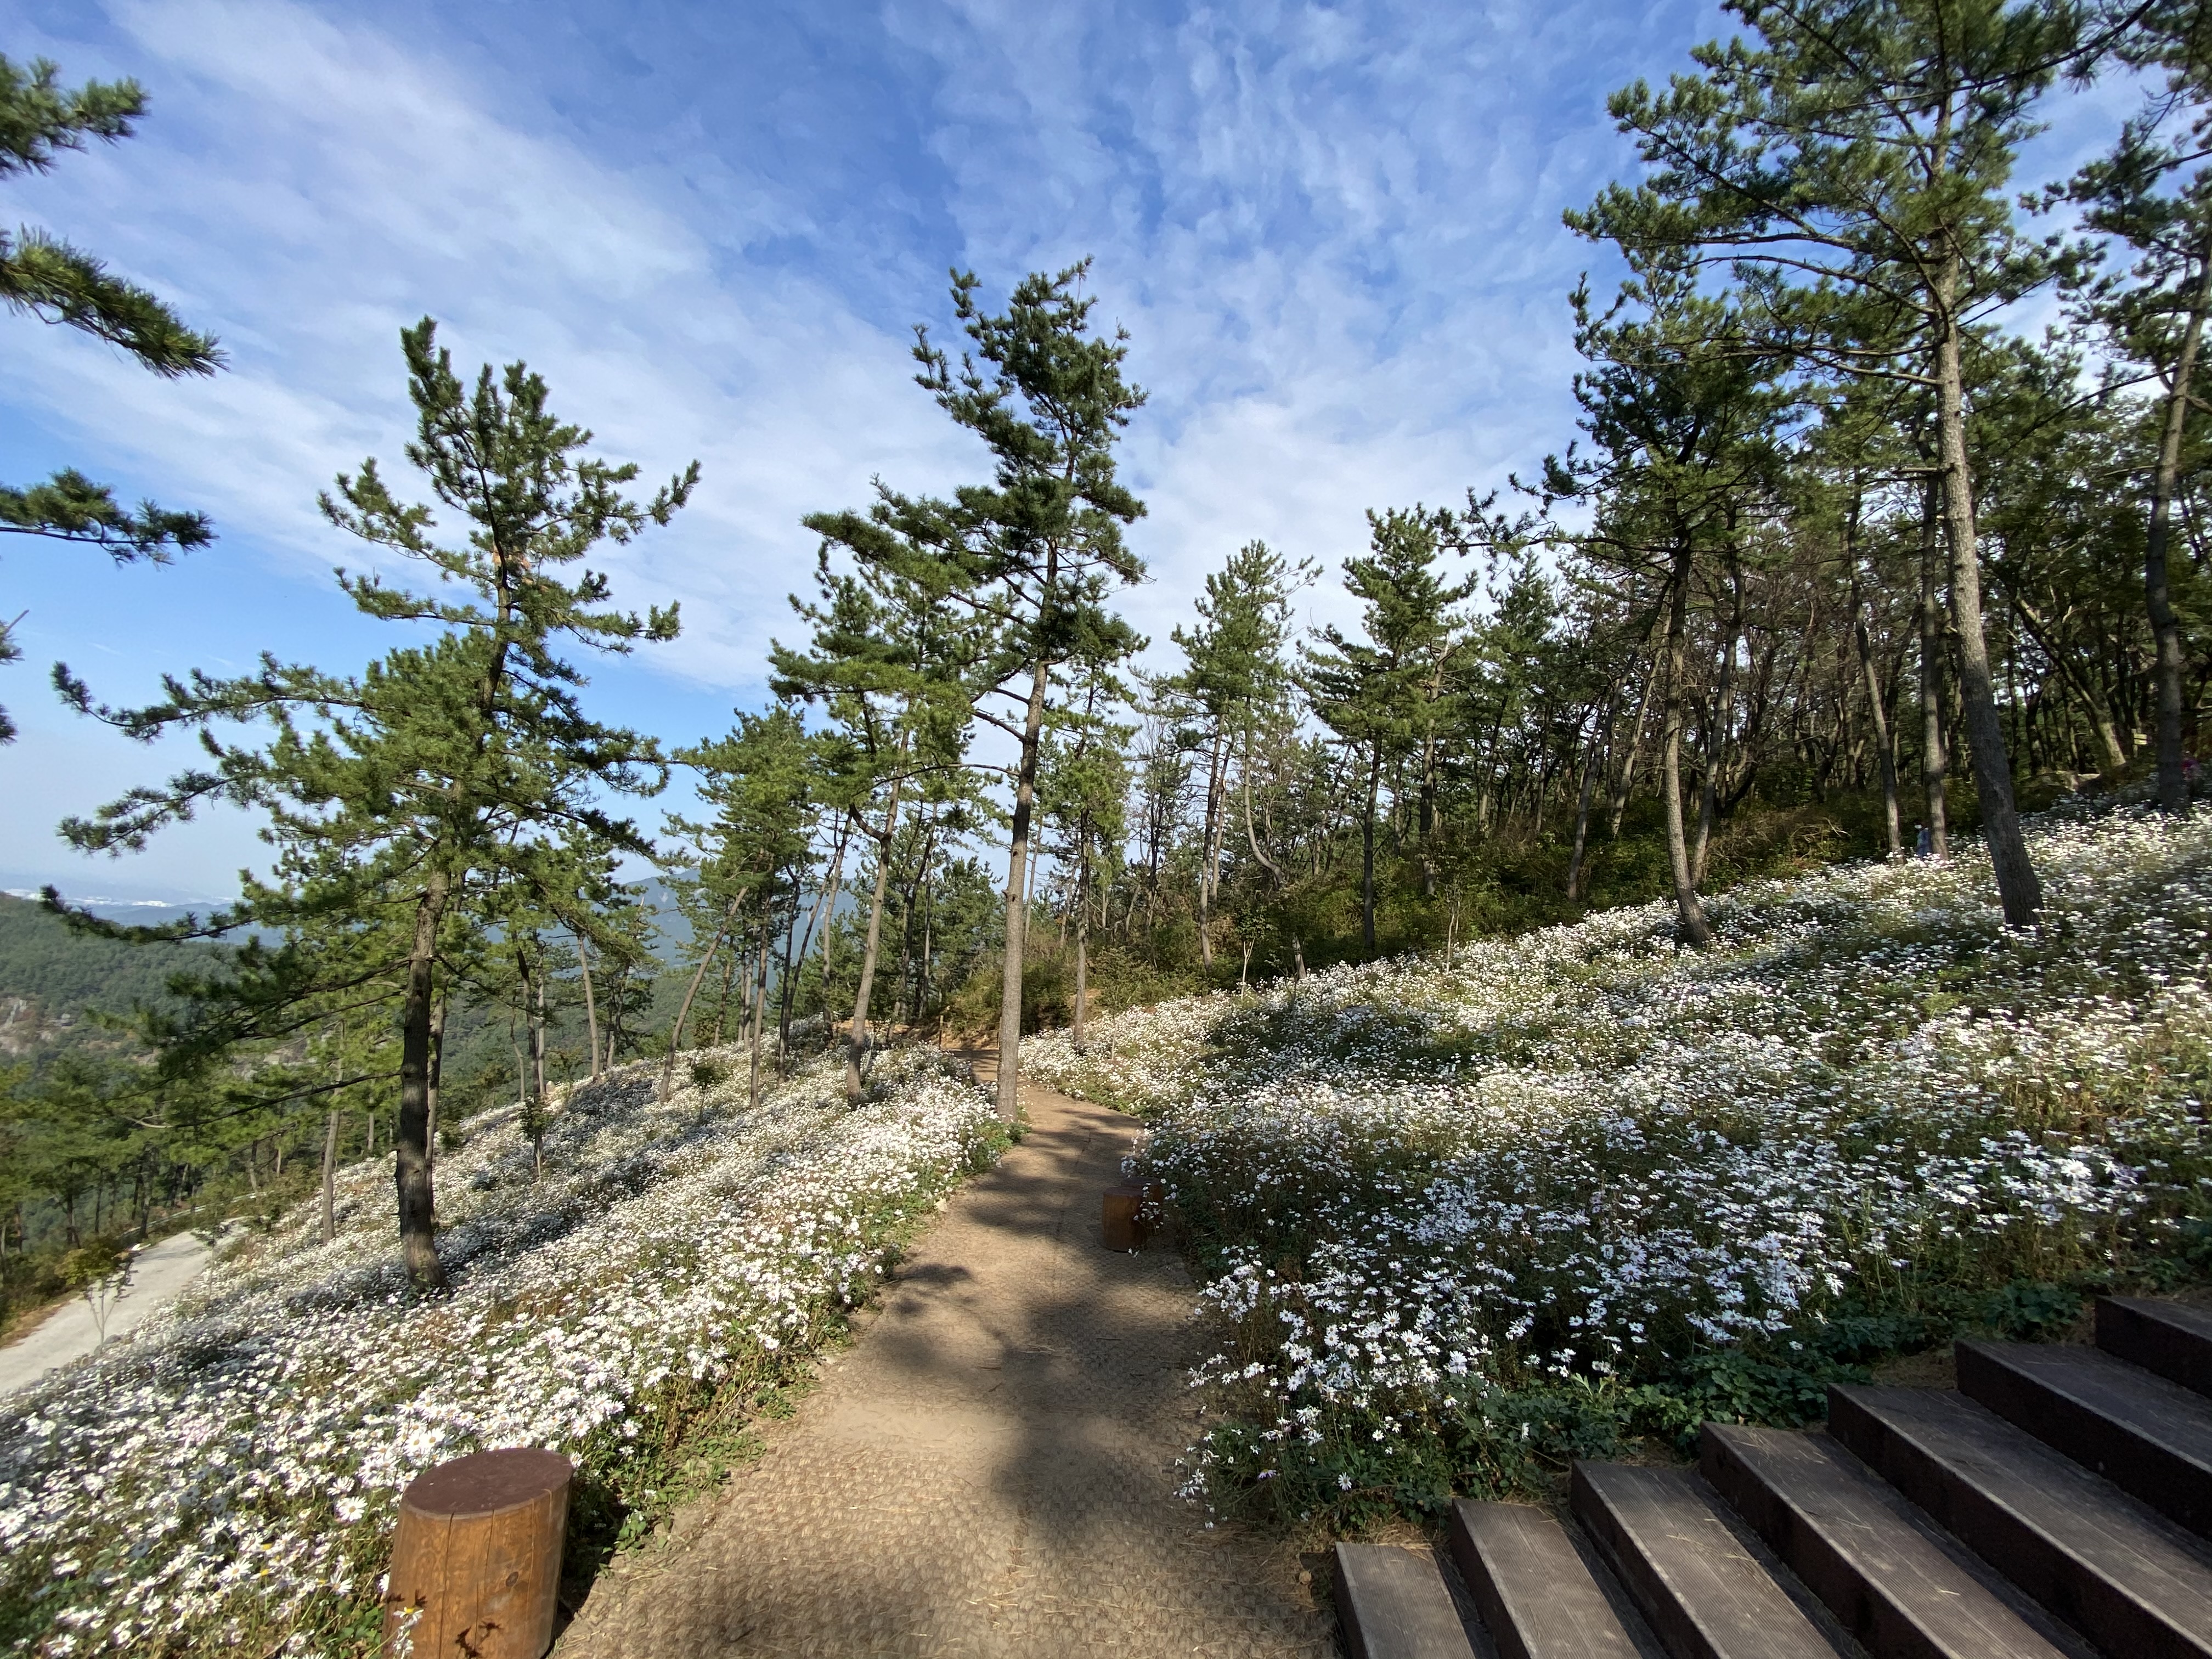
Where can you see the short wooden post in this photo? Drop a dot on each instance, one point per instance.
(476, 1559)
(1122, 1223)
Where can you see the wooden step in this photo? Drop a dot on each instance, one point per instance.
(2172, 1339)
(1538, 1599)
(1706, 1594)
(2129, 1580)
(2148, 1436)
(1855, 1543)
(1392, 1604)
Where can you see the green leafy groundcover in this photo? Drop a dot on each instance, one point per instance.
(1462, 1223)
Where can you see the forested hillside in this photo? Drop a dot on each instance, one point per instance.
(58, 974)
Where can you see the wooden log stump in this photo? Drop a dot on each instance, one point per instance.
(1123, 1225)
(476, 1559)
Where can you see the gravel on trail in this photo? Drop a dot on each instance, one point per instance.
(988, 1470)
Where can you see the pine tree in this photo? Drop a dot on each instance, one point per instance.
(400, 798)
(1384, 695)
(1030, 556)
(1082, 791)
(2155, 193)
(1684, 416)
(1850, 169)
(44, 277)
(1236, 667)
(749, 861)
(891, 661)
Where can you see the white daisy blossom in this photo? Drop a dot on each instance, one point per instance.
(239, 1457)
(1583, 1147)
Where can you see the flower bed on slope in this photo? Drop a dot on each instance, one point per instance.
(1463, 1223)
(228, 1479)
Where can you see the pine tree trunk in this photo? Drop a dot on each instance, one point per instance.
(1081, 943)
(1600, 752)
(760, 1021)
(330, 1142)
(1206, 854)
(829, 923)
(437, 1071)
(1687, 904)
(1717, 740)
(331, 1177)
(691, 990)
(2019, 887)
(795, 946)
(538, 1043)
(1877, 705)
(1367, 847)
(823, 914)
(411, 1167)
(1934, 761)
(2165, 631)
(1626, 778)
(591, 1007)
(856, 1037)
(1886, 750)
(1017, 877)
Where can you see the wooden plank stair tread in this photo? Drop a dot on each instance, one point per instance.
(1848, 1538)
(1706, 1594)
(2172, 1339)
(2129, 1580)
(1537, 1597)
(1394, 1604)
(2148, 1436)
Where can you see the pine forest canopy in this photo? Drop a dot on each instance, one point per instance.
(1837, 560)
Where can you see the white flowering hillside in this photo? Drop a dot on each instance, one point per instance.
(1464, 1221)
(226, 1480)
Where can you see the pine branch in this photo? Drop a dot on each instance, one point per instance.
(70, 507)
(50, 280)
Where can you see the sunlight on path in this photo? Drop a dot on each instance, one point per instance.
(70, 1332)
(988, 1471)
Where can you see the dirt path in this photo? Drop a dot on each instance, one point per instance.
(987, 1471)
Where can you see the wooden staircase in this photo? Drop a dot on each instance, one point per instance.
(2057, 1505)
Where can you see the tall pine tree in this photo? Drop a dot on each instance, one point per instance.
(399, 799)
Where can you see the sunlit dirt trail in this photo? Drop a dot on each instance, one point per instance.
(989, 1470)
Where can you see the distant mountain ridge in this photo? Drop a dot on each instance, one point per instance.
(134, 912)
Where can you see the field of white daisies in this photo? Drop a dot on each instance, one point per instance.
(227, 1479)
(1462, 1221)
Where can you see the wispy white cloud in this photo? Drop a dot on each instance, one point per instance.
(1333, 231)
(313, 186)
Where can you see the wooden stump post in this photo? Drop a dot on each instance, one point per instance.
(475, 1560)
(1122, 1223)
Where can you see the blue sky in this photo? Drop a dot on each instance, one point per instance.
(1333, 232)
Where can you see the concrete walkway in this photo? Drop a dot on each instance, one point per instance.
(988, 1471)
(70, 1331)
